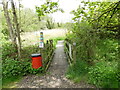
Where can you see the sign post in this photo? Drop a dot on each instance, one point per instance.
(41, 45)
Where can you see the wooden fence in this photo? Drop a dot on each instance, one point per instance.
(47, 53)
(70, 49)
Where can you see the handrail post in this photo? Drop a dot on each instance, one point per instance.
(74, 52)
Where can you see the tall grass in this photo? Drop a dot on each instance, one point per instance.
(77, 71)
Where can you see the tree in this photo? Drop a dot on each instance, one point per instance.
(8, 20)
(103, 16)
(50, 23)
(16, 28)
(47, 8)
(13, 30)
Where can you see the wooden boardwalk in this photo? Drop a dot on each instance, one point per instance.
(55, 76)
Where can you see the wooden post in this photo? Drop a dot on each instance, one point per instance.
(41, 40)
(51, 46)
(47, 47)
(45, 53)
(74, 52)
(70, 50)
(41, 45)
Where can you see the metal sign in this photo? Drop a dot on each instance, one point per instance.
(41, 45)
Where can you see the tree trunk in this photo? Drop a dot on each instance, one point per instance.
(17, 28)
(8, 20)
(19, 16)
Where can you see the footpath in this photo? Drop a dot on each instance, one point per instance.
(55, 76)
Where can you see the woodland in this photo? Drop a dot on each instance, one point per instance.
(95, 29)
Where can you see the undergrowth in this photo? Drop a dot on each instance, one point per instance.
(77, 71)
(103, 73)
(12, 67)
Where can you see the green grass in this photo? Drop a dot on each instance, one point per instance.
(10, 82)
(57, 39)
(78, 71)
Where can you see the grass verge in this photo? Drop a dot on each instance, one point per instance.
(11, 82)
(78, 71)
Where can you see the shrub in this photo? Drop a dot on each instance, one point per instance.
(8, 50)
(85, 37)
(13, 67)
(104, 74)
(107, 49)
(27, 69)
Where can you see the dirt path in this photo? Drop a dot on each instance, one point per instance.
(56, 76)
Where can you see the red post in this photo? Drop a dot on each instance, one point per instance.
(36, 61)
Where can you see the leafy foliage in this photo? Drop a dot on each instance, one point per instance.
(3, 27)
(11, 66)
(82, 33)
(8, 50)
(95, 30)
(30, 21)
(47, 8)
(104, 74)
(107, 50)
(55, 40)
(97, 13)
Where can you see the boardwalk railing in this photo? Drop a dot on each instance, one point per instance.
(70, 49)
(47, 53)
